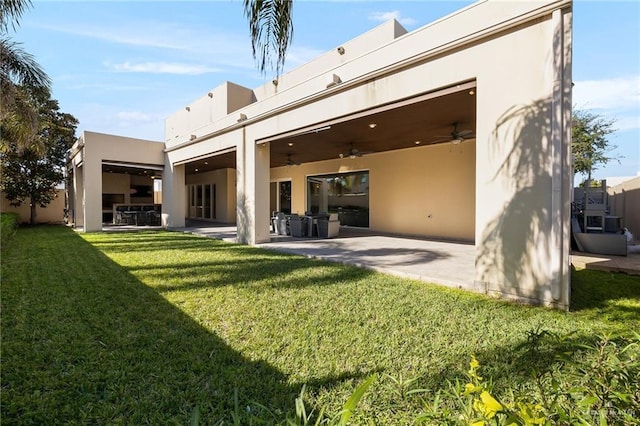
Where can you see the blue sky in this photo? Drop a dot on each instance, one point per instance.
(122, 67)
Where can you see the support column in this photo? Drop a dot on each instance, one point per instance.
(174, 200)
(78, 196)
(253, 169)
(92, 193)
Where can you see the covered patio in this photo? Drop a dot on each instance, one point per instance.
(440, 262)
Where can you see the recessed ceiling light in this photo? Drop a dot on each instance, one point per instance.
(472, 92)
(418, 142)
(372, 125)
(196, 170)
(290, 144)
(206, 162)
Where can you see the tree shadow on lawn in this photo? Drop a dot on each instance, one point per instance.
(219, 264)
(93, 344)
(596, 294)
(140, 241)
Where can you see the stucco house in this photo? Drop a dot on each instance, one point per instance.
(459, 130)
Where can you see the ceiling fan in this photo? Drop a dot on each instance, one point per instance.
(352, 153)
(456, 136)
(290, 161)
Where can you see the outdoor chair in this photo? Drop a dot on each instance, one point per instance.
(329, 227)
(282, 224)
(298, 226)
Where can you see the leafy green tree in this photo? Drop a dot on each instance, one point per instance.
(33, 172)
(271, 30)
(17, 68)
(589, 141)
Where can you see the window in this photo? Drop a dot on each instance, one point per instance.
(344, 193)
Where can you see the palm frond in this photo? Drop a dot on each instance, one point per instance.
(20, 67)
(10, 13)
(271, 30)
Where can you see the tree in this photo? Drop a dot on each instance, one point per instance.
(17, 68)
(589, 141)
(33, 172)
(271, 29)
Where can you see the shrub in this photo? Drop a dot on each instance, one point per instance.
(599, 384)
(8, 225)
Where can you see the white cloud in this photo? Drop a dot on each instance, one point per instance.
(230, 49)
(395, 14)
(134, 116)
(608, 94)
(627, 123)
(163, 68)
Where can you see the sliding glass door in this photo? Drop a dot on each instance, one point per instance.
(344, 193)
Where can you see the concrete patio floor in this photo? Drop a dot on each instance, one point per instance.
(440, 262)
(447, 263)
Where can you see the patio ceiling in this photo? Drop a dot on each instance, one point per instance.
(426, 119)
(132, 169)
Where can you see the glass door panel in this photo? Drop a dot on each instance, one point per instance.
(206, 206)
(285, 196)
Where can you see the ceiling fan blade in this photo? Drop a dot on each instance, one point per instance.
(442, 139)
(465, 133)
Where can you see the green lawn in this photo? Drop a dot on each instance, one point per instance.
(143, 327)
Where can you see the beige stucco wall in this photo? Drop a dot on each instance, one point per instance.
(198, 118)
(224, 179)
(624, 201)
(53, 213)
(519, 55)
(88, 155)
(427, 191)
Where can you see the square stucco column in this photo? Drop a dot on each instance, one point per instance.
(92, 194)
(173, 195)
(252, 191)
(522, 167)
(78, 196)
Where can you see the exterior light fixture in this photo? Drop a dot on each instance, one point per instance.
(192, 137)
(210, 95)
(341, 50)
(188, 108)
(242, 117)
(274, 81)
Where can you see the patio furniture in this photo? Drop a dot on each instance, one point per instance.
(329, 227)
(282, 224)
(312, 222)
(298, 226)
